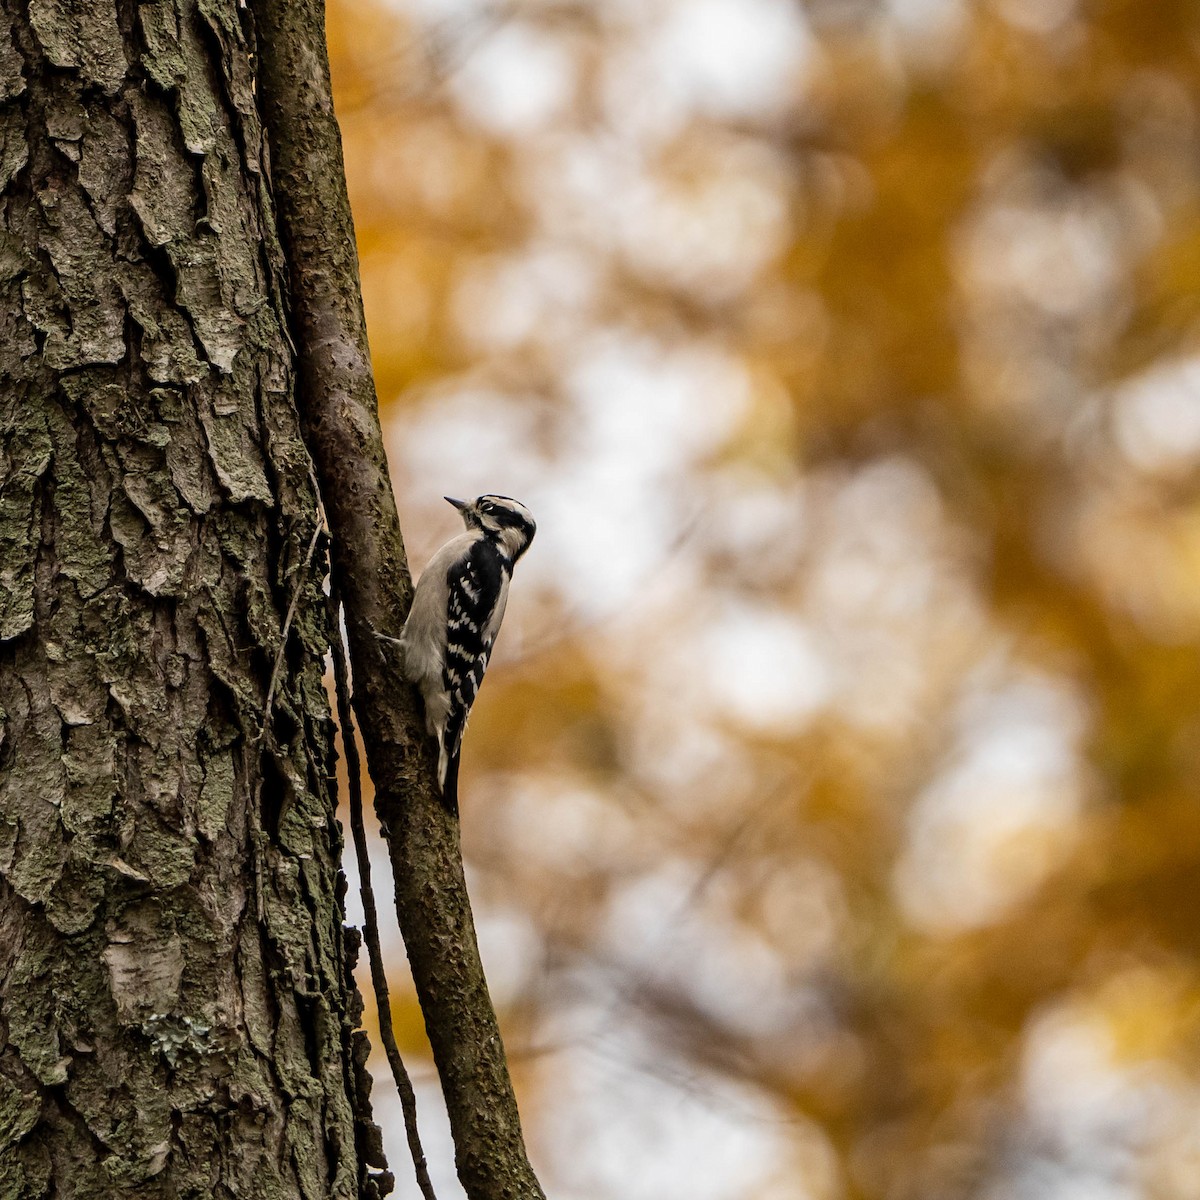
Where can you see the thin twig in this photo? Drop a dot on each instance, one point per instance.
(383, 1005)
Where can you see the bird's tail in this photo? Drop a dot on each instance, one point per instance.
(449, 752)
(450, 785)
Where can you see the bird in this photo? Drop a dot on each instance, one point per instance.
(456, 612)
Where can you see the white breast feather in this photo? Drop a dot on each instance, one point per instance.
(425, 629)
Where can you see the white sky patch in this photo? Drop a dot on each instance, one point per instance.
(543, 292)
(1001, 813)
(735, 58)
(757, 517)
(1157, 417)
(883, 517)
(715, 234)
(728, 59)
(442, 12)
(710, 229)
(466, 441)
(675, 927)
(694, 767)
(604, 537)
(655, 407)
(879, 557)
(516, 82)
(925, 17)
(463, 442)
(1039, 1179)
(511, 948)
(578, 187)
(764, 667)
(928, 31)
(556, 821)
(639, 416)
(1036, 16)
(626, 1126)
(1071, 1084)
(1062, 258)
(886, 592)
(1090, 1111)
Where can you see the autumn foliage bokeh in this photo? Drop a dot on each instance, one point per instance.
(832, 806)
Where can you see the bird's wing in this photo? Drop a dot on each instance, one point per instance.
(475, 603)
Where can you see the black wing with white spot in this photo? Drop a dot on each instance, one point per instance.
(476, 587)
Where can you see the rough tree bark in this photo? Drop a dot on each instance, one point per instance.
(176, 1008)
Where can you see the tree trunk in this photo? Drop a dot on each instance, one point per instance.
(176, 1007)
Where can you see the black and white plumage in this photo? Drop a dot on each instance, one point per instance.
(456, 613)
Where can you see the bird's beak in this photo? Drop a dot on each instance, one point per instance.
(459, 504)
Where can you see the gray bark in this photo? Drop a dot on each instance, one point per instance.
(176, 1011)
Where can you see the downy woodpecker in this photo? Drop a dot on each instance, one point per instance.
(456, 613)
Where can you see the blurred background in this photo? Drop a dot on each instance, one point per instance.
(832, 808)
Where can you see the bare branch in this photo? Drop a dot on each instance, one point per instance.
(341, 420)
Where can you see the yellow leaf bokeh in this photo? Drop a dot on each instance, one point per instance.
(833, 803)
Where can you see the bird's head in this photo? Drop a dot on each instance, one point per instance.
(505, 520)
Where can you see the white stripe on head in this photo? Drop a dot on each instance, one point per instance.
(508, 522)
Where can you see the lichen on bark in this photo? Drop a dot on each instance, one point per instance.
(176, 1009)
